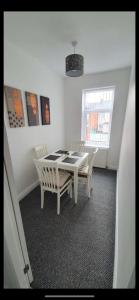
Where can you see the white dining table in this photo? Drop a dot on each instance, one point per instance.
(74, 167)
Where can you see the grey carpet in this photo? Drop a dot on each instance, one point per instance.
(75, 249)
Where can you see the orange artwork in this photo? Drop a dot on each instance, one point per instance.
(32, 109)
(47, 114)
(17, 103)
(33, 103)
(45, 110)
(15, 107)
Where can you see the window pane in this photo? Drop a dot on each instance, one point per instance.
(96, 117)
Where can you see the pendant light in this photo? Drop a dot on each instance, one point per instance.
(74, 63)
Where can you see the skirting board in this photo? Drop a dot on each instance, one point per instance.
(111, 168)
(106, 167)
(26, 191)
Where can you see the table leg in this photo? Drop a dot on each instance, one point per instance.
(76, 185)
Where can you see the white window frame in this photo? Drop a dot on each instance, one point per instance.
(111, 114)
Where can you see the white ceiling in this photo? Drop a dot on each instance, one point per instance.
(105, 39)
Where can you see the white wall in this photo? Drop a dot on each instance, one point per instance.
(25, 72)
(73, 108)
(125, 206)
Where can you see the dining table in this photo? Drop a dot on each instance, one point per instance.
(69, 161)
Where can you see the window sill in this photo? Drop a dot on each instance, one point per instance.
(100, 147)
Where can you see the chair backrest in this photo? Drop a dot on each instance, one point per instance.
(92, 159)
(78, 146)
(48, 174)
(40, 151)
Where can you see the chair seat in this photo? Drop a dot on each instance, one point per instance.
(63, 178)
(83, 172)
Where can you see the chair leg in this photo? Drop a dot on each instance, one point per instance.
(88, 186)
(91, 185)
(58, 203)
(71, 189)
(42, 198)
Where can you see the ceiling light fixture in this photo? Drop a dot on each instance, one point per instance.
(74, 63)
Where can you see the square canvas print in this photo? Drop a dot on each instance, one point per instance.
(45, 110)
(14, 106)
(32, 109)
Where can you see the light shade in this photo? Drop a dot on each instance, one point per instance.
(74, 65)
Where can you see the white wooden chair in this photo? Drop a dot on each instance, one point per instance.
(85, 172)
(40, 150)
(54, 180)
(78, 146)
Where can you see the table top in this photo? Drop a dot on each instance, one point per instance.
(66, 161)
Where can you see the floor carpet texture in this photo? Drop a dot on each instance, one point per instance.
(76, 248)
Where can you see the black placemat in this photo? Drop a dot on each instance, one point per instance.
(80, 154)
(62, 152)
(52, 157)
(70, 160)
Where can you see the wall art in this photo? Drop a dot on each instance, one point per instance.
(45, 110)
(14, 106)
(32, 109)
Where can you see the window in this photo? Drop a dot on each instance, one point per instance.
(97, 107)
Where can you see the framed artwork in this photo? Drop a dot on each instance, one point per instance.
(32, 109)
(14, 106)
(45, 110)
